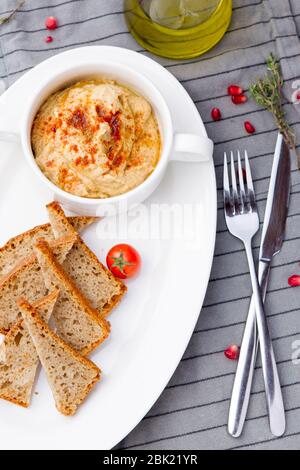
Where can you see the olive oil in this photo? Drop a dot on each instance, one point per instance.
(178, 29)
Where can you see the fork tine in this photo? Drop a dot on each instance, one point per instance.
(226, 188)
(225, 174)
(241, 181)
(248, 172)
(251, 193)
(233, 182)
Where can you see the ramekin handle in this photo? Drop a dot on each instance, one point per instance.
(192, 148)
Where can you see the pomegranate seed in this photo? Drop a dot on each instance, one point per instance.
(244, 175)
(51, 22)
(232, 352)
(239, 99)
(235, 90)
(48, 39)
(216, 114)
(294, 280)
(249, 127)
(298, 96)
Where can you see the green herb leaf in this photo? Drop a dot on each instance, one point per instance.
(267, 92)
(6, 19)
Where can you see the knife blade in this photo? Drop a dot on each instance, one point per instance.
(271, 242)
(277, 202)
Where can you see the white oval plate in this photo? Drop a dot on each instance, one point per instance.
(152, 326)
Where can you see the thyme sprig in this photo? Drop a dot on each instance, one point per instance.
(6, 19)
(267, 92)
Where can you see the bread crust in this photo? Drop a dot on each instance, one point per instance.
(18, 391)
(3, 395)
(48, 299)
(106, 309)
(79, 223)
(68, 283)
(26, 263)
(55, 208)
(13, 400)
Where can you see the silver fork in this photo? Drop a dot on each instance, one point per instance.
(243, 222)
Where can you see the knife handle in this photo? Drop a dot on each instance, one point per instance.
(245, 370)
(244, 375)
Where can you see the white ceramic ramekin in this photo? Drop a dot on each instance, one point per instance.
(183, 147)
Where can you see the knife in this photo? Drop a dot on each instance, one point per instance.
(271, 243)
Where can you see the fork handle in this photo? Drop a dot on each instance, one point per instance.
(245, 369)
(270, 373)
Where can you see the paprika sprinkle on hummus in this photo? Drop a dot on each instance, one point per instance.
(96, 139)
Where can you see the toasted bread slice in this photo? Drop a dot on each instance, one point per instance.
(20, 246)
(76, 321)
(26, 279)
(70, 375)
(97, 283)
(19, 359)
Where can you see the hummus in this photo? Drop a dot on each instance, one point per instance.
(96, 139)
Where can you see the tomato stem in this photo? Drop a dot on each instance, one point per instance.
(120, 263)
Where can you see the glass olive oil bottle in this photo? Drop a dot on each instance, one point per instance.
(178, 29)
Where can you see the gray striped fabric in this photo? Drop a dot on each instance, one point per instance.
(192, 411)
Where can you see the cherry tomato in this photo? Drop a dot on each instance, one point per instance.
(123, 260)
